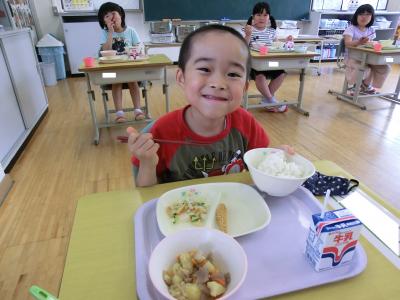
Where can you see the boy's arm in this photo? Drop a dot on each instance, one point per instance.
(145, 150)
(146, 175)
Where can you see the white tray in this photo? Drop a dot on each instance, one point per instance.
(276, 259)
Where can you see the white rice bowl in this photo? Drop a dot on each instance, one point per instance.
(277, 173)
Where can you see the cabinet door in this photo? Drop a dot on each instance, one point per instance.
(12, 127)
(79, 43)
(25, 75)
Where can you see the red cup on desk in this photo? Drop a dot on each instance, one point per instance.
(377, 47)
(89, 62)
(263, 50)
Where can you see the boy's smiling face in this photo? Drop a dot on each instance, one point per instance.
(214, 79)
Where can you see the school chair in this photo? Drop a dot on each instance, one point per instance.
(107, 111)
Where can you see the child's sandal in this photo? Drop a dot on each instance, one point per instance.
(120, 119)
(279, 109)
(139, 115)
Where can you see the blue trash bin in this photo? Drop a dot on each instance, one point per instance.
(54, 55)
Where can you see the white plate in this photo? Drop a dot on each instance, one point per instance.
(247, 210)
(113, 59)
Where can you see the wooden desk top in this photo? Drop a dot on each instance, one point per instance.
(372, 51)
(100, 262)
(157, 60)
(289, 55)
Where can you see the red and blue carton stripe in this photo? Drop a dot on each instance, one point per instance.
(332, 239)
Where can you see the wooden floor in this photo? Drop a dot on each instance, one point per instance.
(61, 164)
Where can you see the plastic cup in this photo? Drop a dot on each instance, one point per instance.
(89, 62)
(263, 50)
(377, 47)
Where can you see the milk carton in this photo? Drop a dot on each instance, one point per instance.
(332, 239)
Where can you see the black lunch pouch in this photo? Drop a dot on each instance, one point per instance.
(319, 183)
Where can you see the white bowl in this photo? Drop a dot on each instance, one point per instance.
(257, 45)
(386, 43)
(278, 45)
(300, 48)
(108, 52)
(275, 185)
(227, 254)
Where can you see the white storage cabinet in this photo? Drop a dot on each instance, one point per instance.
(23, 97)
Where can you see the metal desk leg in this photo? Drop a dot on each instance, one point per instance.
(146, 102)
(397, 92)
(300, 94)
(395, 96)
(105, 100)
(165, 90)
(91, 99)
(320, 58)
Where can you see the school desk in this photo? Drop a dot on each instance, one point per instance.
(279, 61)
(155, 68)
(369, 56)
(314, 40)
(100, 263)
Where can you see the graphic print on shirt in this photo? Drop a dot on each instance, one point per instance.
(119, 44)
(222, 157)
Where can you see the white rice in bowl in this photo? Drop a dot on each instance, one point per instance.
(276, 164)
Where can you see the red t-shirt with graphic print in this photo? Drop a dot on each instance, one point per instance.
(223, 153)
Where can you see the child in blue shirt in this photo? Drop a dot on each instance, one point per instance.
(116, 36)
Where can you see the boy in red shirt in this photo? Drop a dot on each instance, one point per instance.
(214, 65)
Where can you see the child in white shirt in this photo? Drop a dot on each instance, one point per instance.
(360, 33)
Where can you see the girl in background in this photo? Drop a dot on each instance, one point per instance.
(116, 36)
(261, 28)
(359, 33)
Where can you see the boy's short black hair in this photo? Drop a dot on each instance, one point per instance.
(365, 8)
(259, 9)
(108, 7)
(184, 54)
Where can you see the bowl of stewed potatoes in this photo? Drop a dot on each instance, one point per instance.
(198, 263)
